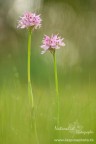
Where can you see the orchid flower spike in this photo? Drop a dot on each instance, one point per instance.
(52, 43)
(29, 20)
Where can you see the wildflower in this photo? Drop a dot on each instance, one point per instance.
(29, 20)
(52, 43)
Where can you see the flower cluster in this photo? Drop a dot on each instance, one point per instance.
(29, 20)
(51, 43)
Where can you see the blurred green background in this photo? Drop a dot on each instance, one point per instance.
(75, 20)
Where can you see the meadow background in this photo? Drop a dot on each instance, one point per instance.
(75, 20)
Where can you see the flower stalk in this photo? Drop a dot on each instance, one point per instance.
(56, 87)
(30, 93)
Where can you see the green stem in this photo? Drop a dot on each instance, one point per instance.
(56, 85)
(30, 93)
